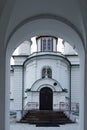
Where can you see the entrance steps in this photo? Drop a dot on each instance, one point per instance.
(46, 117)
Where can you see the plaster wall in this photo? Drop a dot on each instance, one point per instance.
(60, 71)
(75, 84)
(17, 89)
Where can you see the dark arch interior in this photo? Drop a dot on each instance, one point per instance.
(46, 99)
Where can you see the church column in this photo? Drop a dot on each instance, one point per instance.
(29, 42)
(39, 44)
(55, 40)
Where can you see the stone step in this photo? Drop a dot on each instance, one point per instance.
(39, 117)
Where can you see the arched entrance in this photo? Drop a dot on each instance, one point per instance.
(40, 26)
(46, 99)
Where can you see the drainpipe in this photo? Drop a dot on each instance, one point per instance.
(22, 90)
(70, 88)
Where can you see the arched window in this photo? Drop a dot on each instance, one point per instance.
(46, 72)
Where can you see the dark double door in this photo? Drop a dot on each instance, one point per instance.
(46, 99)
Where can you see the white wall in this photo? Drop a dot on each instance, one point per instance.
(11, 90)
(60, 70)
(75, 84)
(16, 88)
(32, 72)
(74, 59)
(19, 60)
(24, 48)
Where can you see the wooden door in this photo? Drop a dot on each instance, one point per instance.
(46, 99)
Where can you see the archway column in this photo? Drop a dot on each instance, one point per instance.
(4, 75)
(4, 92)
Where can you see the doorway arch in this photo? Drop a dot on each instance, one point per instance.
(53, 27)
(46, 98)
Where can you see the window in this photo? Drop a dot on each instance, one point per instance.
(46, 72)
(44, 45)
(47, 44)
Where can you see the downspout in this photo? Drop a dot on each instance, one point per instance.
(22, 90)
(70, 88)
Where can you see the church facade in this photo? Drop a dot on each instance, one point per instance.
(45, 79)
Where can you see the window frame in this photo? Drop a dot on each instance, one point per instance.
(46, 72)
(46, 44)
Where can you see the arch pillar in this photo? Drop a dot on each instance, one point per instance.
(4, 92)
(4, 69)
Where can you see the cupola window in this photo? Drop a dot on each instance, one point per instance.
(47, 44)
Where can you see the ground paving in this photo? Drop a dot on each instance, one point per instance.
(19, 126)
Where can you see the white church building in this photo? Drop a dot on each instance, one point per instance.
(46, 79)
(21, 20)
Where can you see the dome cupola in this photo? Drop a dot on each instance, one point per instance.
(46, 43)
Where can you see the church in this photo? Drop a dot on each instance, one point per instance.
(46, 79)
(21, 20)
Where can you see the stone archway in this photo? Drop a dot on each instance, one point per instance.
(46, 26)
(46, 99)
